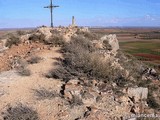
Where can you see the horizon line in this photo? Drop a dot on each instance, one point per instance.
(12, 28)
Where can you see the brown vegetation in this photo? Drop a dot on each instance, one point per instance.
(80, 59)
(42, 94)
(12, 40)
(56, 40)
(20, 112)
(34, 60)
(37, 37)
(21, 67)
(75, 101)
(23, 71)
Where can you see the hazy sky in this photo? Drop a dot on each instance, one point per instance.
(30, 13)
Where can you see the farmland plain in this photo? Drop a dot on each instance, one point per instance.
(143, 43)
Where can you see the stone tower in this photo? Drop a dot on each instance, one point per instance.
(73, 21)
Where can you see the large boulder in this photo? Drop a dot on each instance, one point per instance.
(97, 44)
(84, 29)
(139, 93)
(112, 41)
(45, 31)
(150, 74)
(25, 38)
(2, 45)
(134, 100)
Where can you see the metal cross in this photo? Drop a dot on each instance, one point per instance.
(51, 7)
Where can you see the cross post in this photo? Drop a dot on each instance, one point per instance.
(51, 7)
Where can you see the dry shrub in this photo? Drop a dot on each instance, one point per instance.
(42, 94)
(60, 73)
(131, 64)
(145, 83)
(81, 59)
(72, 50)
(77, 44)
(107, 45)
(31, 31)
(55, 31)
(23, 71)
(88, 35)
(120, 80)
(20, 32)
(12, 40)
(22, 68)
(20, 112)
(34, 60)
(75, 101)
(37, 37)
(56, 40)
(151, 101)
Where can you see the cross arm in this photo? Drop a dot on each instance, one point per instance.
(56, 6)
(47, 7)
(51, 6)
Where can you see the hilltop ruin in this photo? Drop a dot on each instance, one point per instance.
(91, 78)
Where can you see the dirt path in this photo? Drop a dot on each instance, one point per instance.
(18, 89)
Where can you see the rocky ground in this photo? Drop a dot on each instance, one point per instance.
(57, 99)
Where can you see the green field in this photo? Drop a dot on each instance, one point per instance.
(146, 51)
(147, 47)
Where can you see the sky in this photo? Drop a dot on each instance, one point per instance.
(105, 13)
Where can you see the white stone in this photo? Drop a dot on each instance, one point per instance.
(85, 29)
(138, 93)
(112, 40)
(24, 38)
(132, 119)
(46, 31)
(2, 45)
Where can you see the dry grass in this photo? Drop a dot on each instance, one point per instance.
(34, 60)
(152, 102)
(43, 93)
(75, 101)
(80, 59)
(56, 40)
(12, 40)
(81, 56)
(88, 35)
(24, 71)
(20, 112)
(20, 32)
(37, 37)
(79, 43)
(131, 64)
(60, 73)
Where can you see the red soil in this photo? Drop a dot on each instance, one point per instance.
(21, 50)
(149, 56)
